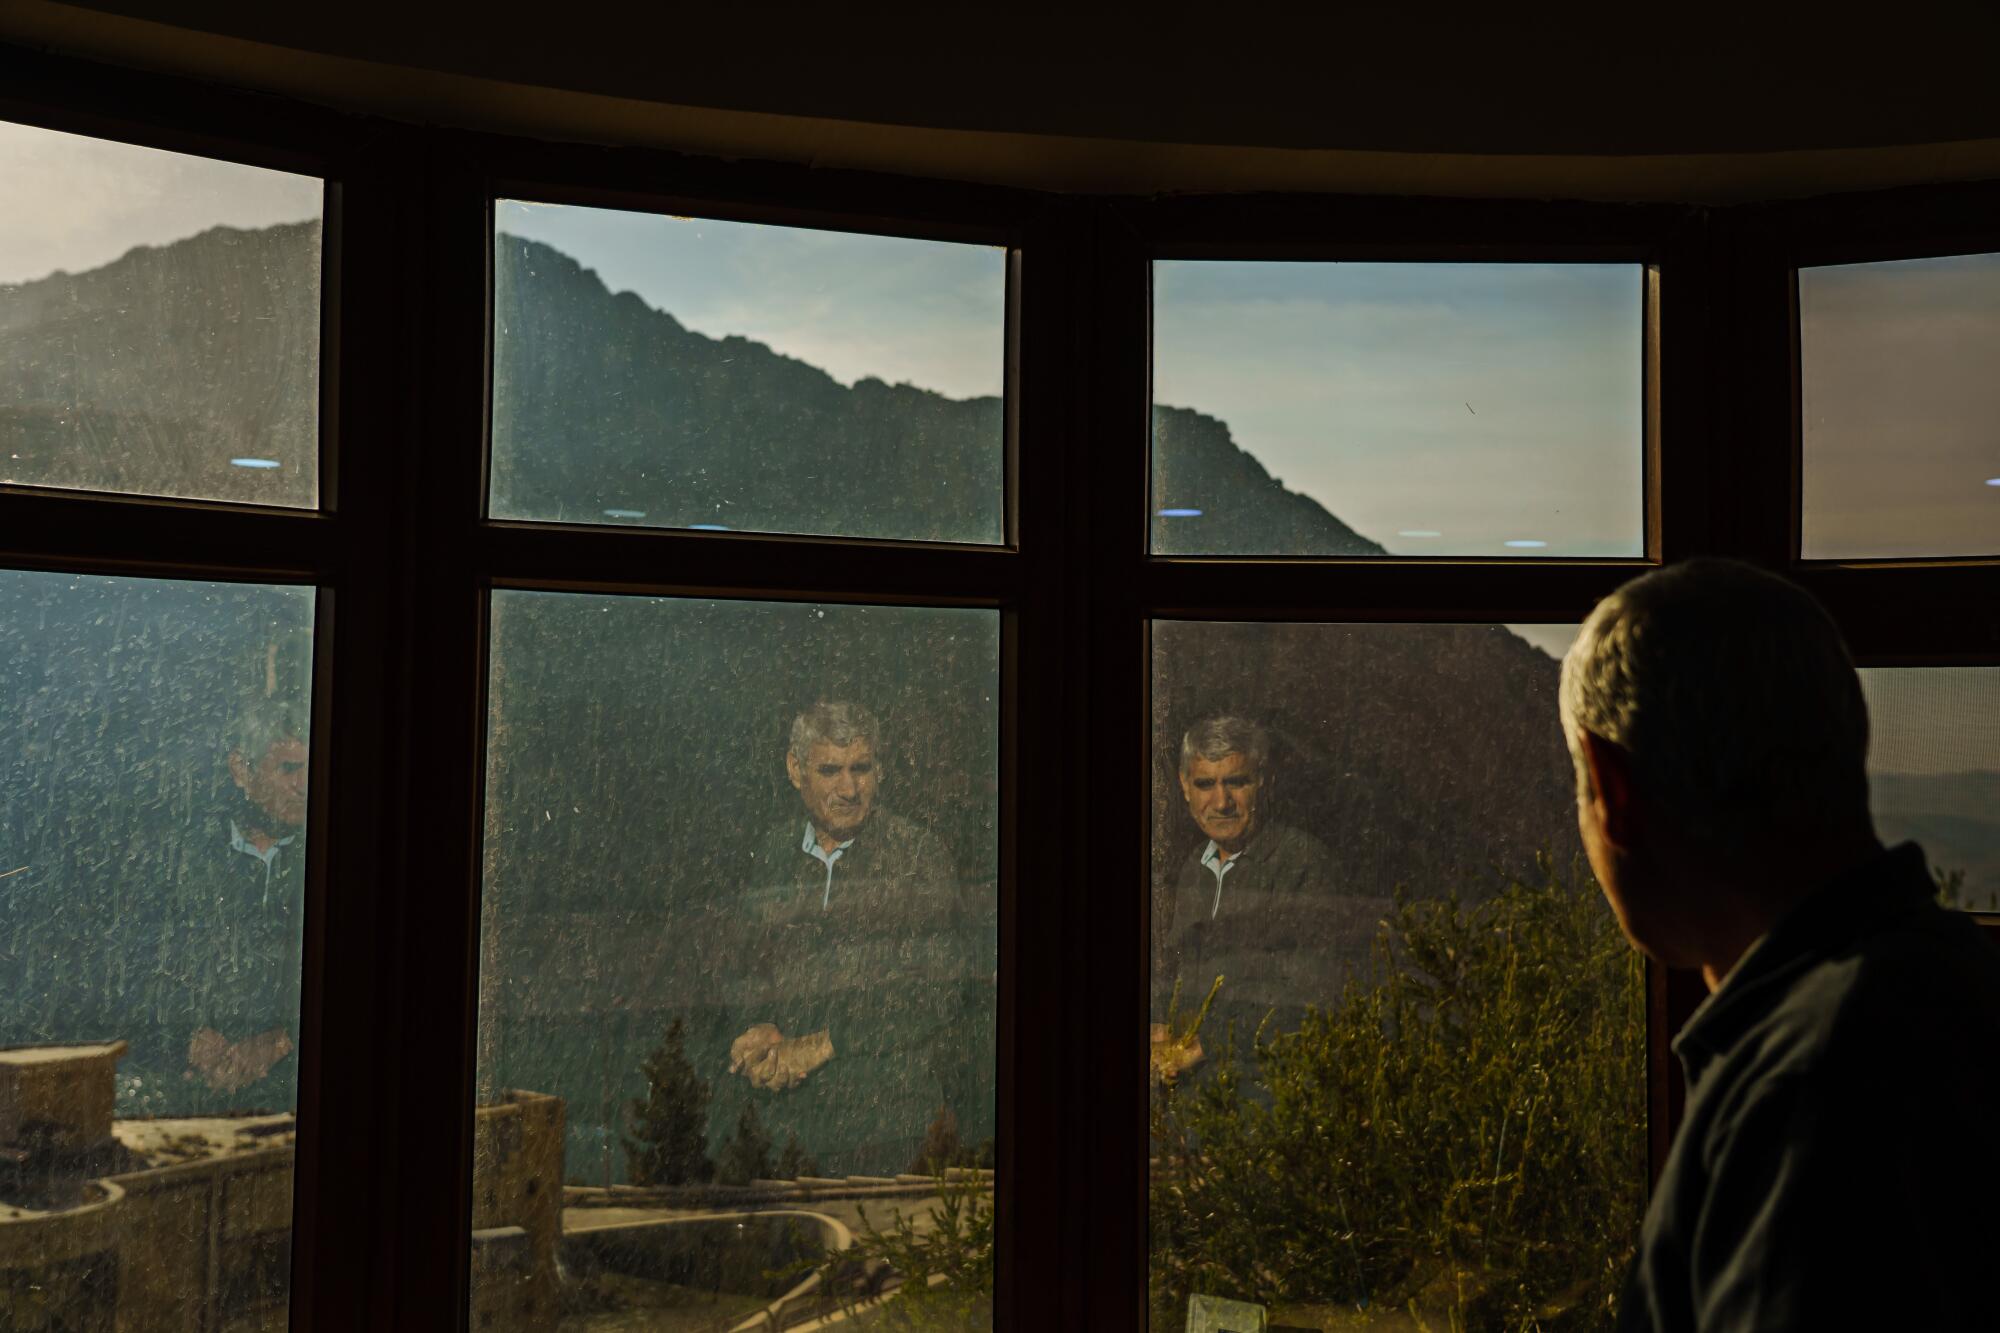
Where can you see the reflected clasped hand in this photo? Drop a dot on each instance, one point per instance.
(775, 1062)
(227, 1066)
(1173, 1056)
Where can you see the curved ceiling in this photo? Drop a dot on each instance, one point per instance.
(1342, 94)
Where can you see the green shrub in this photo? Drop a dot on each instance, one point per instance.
(1464, 1126)
(945, 1261)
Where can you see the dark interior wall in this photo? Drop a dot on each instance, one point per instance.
(1456, 78)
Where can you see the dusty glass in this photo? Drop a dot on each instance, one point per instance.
(152, 860)
(690, 373)
(738, 936)
(1934, 772)
(1397, 1040)
(1897, 402)
(159, 322)
(1350, 409)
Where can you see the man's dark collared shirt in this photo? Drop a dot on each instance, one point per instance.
(1265, 926)
(888, 955)
(1835, 1169)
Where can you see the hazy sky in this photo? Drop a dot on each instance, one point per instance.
(76, 203)
(1901, 407)
(1440, 409)
(929, 313)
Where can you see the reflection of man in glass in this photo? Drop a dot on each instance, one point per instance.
(217, 1023)
(1239, 902)
(848, 1010)
(831, 764)
(254, 993)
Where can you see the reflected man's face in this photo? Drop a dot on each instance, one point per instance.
(276, 782)
(1222, 796)
(837, 783)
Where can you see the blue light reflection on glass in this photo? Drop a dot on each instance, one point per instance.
(1993, 481)
(1180, 513)
(624, 513)
(709, 527)
(254, 462)
(1527, 545)
(1420, 532)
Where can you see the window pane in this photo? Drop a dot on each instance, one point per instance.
(159, 322)
(1416, 1097)
(689, 373)
(722, 945)
(1397, 409)
(152, 860)
(1934, 771)
(1897, 403)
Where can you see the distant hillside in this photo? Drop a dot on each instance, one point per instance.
(1229, 504)
(603, 403)
(151, 373)
(1956, 816)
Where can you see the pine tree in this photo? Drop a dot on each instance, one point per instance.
(942, 1146)
(747, 1155)
(795, 1162)
(668, 1144)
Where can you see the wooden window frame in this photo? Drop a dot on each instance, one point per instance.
(405, 559)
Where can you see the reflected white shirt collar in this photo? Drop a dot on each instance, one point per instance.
(268, 856)
(239, 843)
(810, 846)
(1218, 867)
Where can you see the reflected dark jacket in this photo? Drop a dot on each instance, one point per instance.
(1834, 1169)
(229, 960)
(154, 937)
(1267, 935)
(896, 966)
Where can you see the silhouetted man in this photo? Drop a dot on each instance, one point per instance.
(1845, 1071)
(853, 1021)
(1246, 905)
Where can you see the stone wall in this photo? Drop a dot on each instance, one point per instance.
(205, 1244)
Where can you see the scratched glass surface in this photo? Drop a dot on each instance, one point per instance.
(1897, 404)
(691, 373)
(153, 743)
(159, 322)
(738, 954)
(1397, 409)
(1397, 1040)
(1934, 772)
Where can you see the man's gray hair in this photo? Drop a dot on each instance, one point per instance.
(833, 722)
(1224, 734)
(252, 732)
(1734, 695)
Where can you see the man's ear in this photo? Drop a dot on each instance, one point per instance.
(794, 772)
(239, 770)
(1612, 790)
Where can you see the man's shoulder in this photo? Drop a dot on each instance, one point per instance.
(1893, 1004)
(1934, 969)
(779, 842)
(900, 837)
(1296, 853)
(1295, 841)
